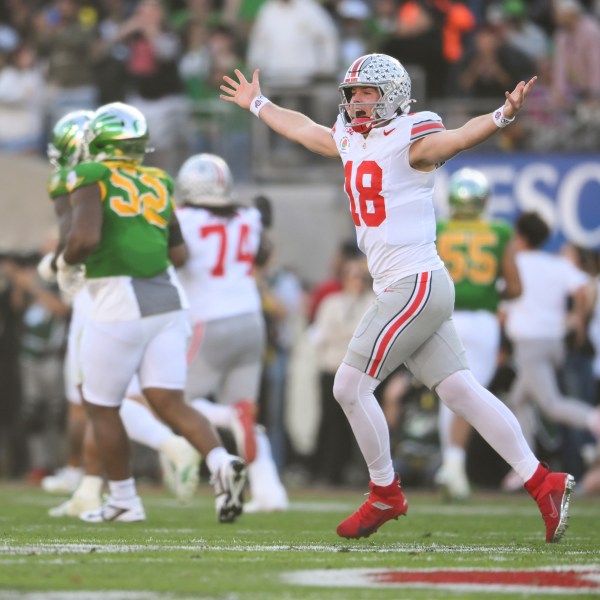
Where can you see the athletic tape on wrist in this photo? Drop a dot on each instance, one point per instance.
(257, 104)
(499, 119)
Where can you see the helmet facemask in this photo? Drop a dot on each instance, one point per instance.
(387, 75)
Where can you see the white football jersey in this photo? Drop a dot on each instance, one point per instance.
(218, 276)
(391, 203)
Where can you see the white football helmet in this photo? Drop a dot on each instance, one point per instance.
(204, 180)
(389, 76)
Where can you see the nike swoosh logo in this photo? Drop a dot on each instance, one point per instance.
(118, 512)
(554, 514)
(388, 131)
(367, 531)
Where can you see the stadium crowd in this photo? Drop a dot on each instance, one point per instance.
(168, 59)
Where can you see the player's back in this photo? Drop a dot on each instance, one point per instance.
(137, 207)
(472, 251)
(219, 274)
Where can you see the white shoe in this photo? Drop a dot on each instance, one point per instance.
(229, 483)
(452, 479)
(76, 505)
(277, 502)
(64, 481)
(180, 463)
(131, 512)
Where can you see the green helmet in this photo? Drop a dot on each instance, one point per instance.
(65, 148)
(468, 192)
(117, 131)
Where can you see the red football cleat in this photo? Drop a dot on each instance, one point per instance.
(384, 503)
(552, 492)
(243, 429)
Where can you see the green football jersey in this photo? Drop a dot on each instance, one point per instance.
(137, 205)
(472, 252)
(57, 184)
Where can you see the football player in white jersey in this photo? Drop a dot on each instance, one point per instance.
(225, 359)
(389, 157)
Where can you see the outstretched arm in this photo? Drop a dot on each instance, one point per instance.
(293, 125)
(440, 147)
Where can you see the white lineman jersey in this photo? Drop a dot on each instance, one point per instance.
(390, 201)
(218, 277)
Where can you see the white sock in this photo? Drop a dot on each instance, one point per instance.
(90, 485)
(445, 417)
(216, 458)
(218, 414)
(354, 392)
(455, 455)
(122, 491)
(142, 426)
(491, 418)
(262, 472)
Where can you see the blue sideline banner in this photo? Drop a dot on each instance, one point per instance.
(564, 189)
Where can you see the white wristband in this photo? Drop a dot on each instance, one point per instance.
(499, 119)
(257, 104)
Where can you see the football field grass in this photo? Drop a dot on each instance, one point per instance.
(490, 547)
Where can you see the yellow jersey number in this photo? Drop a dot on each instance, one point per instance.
(468, 257)
(149, 204)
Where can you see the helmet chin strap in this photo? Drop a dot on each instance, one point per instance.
(362, 124)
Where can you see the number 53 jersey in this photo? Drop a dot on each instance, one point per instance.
(129, 273)
(391, 202)
(137, 205)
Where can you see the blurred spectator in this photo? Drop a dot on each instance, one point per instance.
(579, 447)
(353, 17)
(195, 13)
(21, 88)
(383, 21)
(67, 48)
(418, 41)
(43, 342)
(576, 66)
(544, 128)
(18, 16)
(155, 86)
(283, 297)
(335, 321)
(11, 452)
(111, 54)
(220, 129)
(522, 33)
(492, 65)
(347, 250)
(293, 42)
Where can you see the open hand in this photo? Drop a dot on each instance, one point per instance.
(516, 99)
(242, 91)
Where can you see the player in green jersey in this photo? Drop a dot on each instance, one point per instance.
(479, 255)
(123, 229)
(65, 150)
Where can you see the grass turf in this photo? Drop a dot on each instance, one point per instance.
(182, 552)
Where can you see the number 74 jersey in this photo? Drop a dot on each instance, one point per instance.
(218, 276)
(391, 203)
